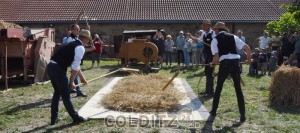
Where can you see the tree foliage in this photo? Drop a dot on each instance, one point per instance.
(289, 21)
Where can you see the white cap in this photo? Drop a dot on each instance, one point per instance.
(181, 32)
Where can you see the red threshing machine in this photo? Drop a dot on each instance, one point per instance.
(25, 52)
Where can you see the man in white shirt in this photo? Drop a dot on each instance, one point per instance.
(223, 47)
(264, 40)
(207, 37)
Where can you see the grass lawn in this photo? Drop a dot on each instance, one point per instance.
(27, 108)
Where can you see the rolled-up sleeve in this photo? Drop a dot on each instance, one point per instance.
(239, 43)
(79, 52)
(214, 46)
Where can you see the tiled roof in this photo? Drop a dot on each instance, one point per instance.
(141, 10)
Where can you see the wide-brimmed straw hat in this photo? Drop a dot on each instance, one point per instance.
(85, 33)
(220, 25)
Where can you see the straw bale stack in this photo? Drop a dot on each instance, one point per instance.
(285, 87)
(143, 93)
(4, 25)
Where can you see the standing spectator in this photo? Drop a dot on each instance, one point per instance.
(187, 49)
(66, 56)
(239, 34)
(291, 47)
(207, 37)
(264, 40)
(179, 45)
(194, 60)
(159, 41)
(276, 41)
(64, 42)
(169, 44)
(199, 46)
(223, 48)
(285, 43)
(73, 37)
(296, 41)
(97, 52)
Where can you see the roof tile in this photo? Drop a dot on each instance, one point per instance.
(142, 10)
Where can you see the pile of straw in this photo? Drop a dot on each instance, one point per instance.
(4, 25)
(285, 87)
(143, 93)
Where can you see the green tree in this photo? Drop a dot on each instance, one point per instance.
(288, 21)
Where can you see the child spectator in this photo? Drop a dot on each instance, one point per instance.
(254, 63)
(273, 62)
(263, 61)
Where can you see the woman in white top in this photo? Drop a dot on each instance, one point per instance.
(169, 44)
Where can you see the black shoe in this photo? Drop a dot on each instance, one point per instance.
(211, 118)
(78, 120)
(209, 95)
(54, 121)
(202, 93)
(242, 119)
(72, 91)
(81, 95)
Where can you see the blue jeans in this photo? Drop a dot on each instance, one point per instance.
(59, 81)
(187, 58)
(76, 82)
(199, 55)
(168, 57)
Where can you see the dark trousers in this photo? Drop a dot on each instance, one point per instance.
(298, 59)
(60, 85)
(180, 56)
(229, 67)
(209, 71)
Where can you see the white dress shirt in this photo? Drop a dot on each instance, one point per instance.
(79, 52)
(238, 43)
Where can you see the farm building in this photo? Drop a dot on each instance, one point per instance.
(110, 18)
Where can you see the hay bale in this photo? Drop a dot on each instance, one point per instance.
(4, 25)
(143, 93)
(285, 87)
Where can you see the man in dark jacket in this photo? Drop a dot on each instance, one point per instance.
(67, 55)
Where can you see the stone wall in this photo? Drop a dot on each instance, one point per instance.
(251, 30)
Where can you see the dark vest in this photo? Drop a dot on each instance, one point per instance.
(226, 44)
(207, 39)
(65, 55)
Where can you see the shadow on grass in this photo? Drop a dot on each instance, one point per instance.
(257, 76)
(208, 128)
(262, 88)
(16, 82)
(59, 127)
(27, 107)
(229, 128)
(281, 109)
(51, 129)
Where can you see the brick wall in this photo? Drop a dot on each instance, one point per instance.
(251, 30)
